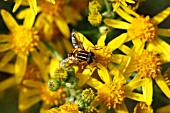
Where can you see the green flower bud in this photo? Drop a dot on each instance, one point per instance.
(54, 84)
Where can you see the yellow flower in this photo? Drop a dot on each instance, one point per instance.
(54, 18)
(101, 51)
(117, 3)
(66, 108)
(33, 91)
(21, 41)
(142, 29)
(143, 108)
(147, 64)
(112, 92)
(32, 3)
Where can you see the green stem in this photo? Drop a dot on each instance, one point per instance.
(107, 6)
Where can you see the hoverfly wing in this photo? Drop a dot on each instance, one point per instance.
(77, 43)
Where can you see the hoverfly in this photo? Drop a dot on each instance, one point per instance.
(78, 55)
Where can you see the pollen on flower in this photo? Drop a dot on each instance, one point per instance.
(24, 40)
(53, 9)
(111, 94)
(52, 98)
(143, 28)
(69, 108)
(148, 64)
(102, 55)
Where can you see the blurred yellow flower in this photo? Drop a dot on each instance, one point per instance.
(32, 3)
(35, 88)
(22, 41)
(66, 108)
(147, 64)
(111, 92)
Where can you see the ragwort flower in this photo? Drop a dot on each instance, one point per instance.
(21, 41)
(147, 64)
(141, 29)
(111, 92)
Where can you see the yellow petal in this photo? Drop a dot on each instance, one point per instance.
(86, 43)
(116, 23)
(127, 50)
(124, 64)
(121, 108)
(164, 32)
(94, 83)
(9, 68)
(27, 103)
(31, 83)
(148, 92)
(117, 58)
(25, 93)
(62, 26)
(101, 40)
(159, 46)
(116, 42)
(115, 6)
(95, 102)
(103, 73)
(135, 96)
(22, 14)
(9, 82)
(136, 84)
(118, 77)
(138, 45)
(17, 4)
(20, 67)
(128, 10)
(85, 75)
(37, 57)
(124, 15)
(5, 47)
(136, 78)
(8, 57)
(130, 1)
(9, 20)
(163, 85)
(162, 15)
(5, 38)
(29, 19)
(33, 5)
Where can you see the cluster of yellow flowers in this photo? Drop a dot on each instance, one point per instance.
(93, 78)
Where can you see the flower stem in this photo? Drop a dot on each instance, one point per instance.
(107, 6)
